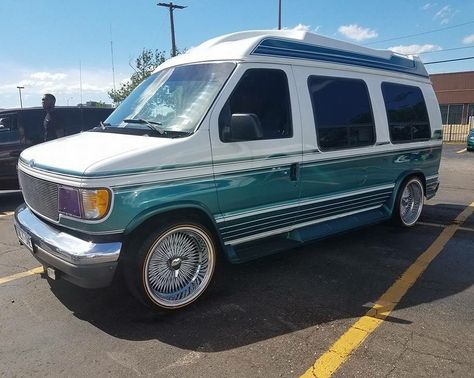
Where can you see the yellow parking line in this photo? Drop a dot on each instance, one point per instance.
(13, 277)
(443, 226)
(461, 151)
(341, 350)
(6, 213)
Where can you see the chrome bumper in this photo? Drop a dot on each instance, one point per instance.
(84, 263)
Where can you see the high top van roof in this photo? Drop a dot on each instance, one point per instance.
(260, 45)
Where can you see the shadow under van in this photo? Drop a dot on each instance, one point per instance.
(23, 128)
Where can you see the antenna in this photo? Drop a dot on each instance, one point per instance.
(112, 56)
(80, 79)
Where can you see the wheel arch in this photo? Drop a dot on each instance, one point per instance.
(399, 182)
(185, 210)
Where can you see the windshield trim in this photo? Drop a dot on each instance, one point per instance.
(211, 105)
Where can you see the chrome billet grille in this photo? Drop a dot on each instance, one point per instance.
(40, 195)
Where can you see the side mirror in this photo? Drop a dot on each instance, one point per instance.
(245, 126)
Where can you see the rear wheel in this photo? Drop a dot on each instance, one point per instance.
(174, 266)
(409, 202)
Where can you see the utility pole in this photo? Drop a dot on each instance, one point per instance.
(279, 14)
(172, 7)
(19, 91)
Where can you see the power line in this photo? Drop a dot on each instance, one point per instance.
(451, 49)
(422, 33)
(449, 60)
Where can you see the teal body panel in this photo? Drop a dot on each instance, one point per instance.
(329, 189)
(254, 189)
(341, 175)
(330, 196)
(133, 205)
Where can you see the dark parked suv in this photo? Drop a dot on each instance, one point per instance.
(22, 128)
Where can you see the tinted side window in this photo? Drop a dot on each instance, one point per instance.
(263, 95)
(342, 112)
(30, 123)
(406, 113)
(9, 129)
(70, 119)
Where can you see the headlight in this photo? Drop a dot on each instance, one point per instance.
(89, 204)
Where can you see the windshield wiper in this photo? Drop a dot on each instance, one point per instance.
(150, 124)
(103, 125)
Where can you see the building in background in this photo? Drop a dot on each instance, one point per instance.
(455, 92)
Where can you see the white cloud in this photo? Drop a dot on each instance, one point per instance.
(414, 49)
(428, 6)
(356, 32)
(445, 14)
(64, 84)
(302, 27)
(468, 39)
(48, 76)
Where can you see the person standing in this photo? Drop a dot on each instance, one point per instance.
(52, 126)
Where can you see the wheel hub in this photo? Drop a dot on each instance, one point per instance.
(176, 263)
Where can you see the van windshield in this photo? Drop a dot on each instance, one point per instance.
(172, 101)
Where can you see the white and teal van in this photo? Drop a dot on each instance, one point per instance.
(248, 144)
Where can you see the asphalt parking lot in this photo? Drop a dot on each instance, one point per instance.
(275, 317)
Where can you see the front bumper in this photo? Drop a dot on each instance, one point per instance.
(84, 263)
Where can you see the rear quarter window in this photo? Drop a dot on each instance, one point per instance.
(406, 113)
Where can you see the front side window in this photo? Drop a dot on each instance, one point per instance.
(406, 113)
(262, 95)
(342, 112)
(172, 101)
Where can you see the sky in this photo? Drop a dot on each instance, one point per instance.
(56, 45)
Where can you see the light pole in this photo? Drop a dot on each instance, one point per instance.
(19, 91)
(172, 7)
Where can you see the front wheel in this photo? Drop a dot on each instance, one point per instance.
(409, 202)
(174, 266)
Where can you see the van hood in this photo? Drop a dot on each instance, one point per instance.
(93, 153)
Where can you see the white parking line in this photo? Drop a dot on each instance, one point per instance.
(461, 151)
(6, 213)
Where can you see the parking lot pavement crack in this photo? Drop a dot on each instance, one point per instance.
(125, 360)
(467, 363)
(7, 252)
(437, 339)
(400, 355)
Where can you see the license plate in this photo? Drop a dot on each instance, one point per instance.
(24, 238)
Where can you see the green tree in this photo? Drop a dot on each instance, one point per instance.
(145, 64)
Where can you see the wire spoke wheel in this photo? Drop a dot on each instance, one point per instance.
(179, 266)
(411, 202)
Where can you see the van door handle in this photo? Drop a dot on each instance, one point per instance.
(294, 171)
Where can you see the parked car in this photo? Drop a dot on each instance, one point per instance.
(248, 144)
(22, 128)
(470, 140)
